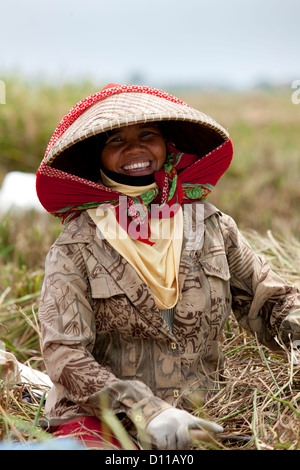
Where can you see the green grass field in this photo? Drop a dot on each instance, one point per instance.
(260, 191)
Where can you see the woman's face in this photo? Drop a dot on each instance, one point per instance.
(135, 150)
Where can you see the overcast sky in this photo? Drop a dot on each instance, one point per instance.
(155, 42)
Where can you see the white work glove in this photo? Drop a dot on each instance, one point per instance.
(170, 430)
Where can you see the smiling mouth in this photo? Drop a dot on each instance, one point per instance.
(137, 166)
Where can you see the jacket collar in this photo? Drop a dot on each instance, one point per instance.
(83, 230)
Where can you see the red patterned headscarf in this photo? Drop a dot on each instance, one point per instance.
(185, 177)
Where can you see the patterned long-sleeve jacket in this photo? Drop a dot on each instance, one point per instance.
(106, 343)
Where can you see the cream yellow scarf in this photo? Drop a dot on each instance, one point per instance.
(157, 264)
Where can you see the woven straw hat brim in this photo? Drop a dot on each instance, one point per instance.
(124, 109)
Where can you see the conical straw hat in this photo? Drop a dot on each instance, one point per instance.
(123, 105)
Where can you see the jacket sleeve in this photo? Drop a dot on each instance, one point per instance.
(67, 335)
(262, 302)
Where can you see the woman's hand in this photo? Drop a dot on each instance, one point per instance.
(172, 428)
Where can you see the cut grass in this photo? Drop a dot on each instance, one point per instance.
(259, 396)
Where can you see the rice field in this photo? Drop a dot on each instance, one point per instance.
(258, 403)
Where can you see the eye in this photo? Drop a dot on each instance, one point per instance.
(114, 139)
(146, 133)
(149, 133)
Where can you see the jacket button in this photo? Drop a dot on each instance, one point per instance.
(175, 393)
(173, 345)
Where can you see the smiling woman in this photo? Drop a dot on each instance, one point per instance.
(133, 322)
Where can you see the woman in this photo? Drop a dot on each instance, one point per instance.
(144, 275)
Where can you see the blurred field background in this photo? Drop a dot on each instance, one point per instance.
(261, 191)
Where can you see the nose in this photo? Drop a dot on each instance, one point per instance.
(133, 145)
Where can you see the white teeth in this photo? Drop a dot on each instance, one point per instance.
(133, 166)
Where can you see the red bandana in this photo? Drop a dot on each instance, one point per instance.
(184, 178)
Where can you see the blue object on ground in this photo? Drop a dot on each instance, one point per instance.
(46, 444)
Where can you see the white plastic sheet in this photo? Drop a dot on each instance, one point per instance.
(15, 372)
